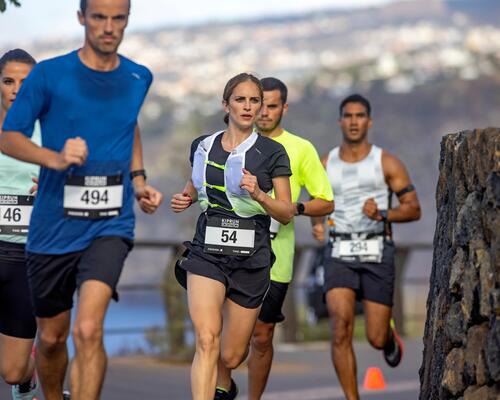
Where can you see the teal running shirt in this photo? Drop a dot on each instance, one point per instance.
(16, 178)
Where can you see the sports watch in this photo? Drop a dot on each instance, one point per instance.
(138, 172)
(383, 215)
(300, 208)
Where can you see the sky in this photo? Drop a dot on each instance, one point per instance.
(37, 20)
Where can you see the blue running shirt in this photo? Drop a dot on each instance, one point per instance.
(72, 100)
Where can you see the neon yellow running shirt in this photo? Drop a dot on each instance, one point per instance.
(308, 172)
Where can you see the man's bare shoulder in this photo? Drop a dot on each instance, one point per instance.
(391, 163)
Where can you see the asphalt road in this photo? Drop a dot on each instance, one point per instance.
(300, 372)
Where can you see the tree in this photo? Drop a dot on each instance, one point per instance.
(3, 4)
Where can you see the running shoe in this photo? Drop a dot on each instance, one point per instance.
(66, 395)
(393, 352)
(26, 391)
(223, 394)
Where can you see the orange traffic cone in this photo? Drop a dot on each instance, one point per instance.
(374, 379)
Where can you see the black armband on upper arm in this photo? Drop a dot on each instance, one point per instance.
(407, 189)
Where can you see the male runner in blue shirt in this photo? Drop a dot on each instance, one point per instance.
(82, 224)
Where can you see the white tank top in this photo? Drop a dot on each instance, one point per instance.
(353, 184)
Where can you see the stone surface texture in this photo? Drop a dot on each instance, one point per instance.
(461, 357)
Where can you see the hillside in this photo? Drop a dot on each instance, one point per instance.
(429, 68)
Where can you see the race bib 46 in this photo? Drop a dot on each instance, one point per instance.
(15, 214)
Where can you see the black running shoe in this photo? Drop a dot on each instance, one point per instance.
(223, 394)
(393, 354)
(66, 395)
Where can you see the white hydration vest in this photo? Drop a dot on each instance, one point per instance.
(353, 184)
(242, 204)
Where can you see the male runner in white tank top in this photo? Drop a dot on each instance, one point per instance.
(359, 259)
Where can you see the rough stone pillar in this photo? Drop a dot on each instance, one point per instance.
(461, 357)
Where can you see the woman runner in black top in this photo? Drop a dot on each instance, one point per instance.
(17, 322)
(227, 267)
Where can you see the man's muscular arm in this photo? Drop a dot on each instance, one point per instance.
(17, 145)
(318, 227)
(148, 197)
(398, 180)
(316, 206)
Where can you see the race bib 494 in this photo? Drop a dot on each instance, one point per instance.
(93, 197)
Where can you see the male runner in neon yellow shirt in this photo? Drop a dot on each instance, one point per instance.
(308, 172)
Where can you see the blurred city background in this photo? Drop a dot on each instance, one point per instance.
(429, 68)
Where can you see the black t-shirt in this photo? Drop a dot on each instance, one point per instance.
(266, 159)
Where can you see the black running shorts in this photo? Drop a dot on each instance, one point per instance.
(370, 281)
(16, 314)
(245, 286)
(246, 278)
(53, 279)
(271, 311)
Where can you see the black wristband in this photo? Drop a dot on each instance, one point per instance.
(300, 208)
(138, 172)
(383, 214)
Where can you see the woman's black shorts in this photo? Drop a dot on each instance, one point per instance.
(246, 278)
(245, 286)
(16, 314)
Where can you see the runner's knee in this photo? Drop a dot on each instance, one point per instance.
(262, 339)
(207, 342)
(232, 358)
(341, 330)
(376, 338)
(13, 374)
(49, 342)
(87, 332)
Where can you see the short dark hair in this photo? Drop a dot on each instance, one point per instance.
(270, 84)
(83, 5)
(356, 98)
(16, 55)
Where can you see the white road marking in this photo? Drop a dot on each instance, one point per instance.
(335, 392)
